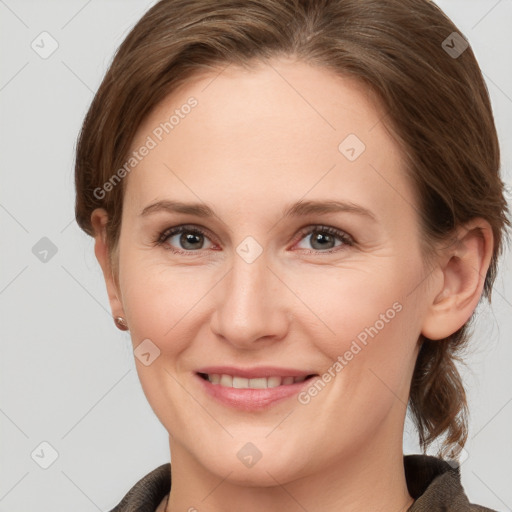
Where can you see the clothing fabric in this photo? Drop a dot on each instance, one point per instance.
(433, 483)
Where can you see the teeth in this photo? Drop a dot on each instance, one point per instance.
(273, 382)
(226, 380)
(256, 383)
(240, 383)
(214, 379)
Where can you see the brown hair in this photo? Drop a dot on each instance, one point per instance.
(437, 106)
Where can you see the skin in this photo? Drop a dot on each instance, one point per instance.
(257, 141)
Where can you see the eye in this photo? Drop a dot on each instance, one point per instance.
(188, 237)
(322, 238)
(191, 239)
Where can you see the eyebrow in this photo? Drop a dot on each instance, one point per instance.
(298, 209)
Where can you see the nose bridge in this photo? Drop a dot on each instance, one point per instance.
(247, 305)
(248, 286)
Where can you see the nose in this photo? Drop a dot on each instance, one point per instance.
(251, 305)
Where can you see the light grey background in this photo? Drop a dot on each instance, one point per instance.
(68, 376)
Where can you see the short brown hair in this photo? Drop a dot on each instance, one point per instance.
(437, 106)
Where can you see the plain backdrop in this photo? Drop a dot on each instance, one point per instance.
(70, 396)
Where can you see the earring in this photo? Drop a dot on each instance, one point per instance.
(121, 323)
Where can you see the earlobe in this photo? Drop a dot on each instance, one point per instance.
(464, 264)
(99, 219)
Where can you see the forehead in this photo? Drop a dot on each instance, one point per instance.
(278, 131)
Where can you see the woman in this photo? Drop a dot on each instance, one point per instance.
(297, 207)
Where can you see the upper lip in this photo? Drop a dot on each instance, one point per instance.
(255, 372)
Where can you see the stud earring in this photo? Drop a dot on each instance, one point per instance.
(121, 323)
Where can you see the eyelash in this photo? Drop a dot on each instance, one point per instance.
(169, 232)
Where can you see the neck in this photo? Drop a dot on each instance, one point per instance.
(371, 478)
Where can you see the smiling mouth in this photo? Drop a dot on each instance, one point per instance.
(236, 382)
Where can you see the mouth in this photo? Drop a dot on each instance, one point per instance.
(239, 382)
(254, 390)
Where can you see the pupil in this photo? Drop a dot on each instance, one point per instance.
(189, 238)
(319, 237)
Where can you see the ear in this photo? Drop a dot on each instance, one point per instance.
(463, 265)
(99, 219)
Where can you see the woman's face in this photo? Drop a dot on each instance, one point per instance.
(274, 285)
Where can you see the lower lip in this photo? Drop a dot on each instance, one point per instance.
(252, 399)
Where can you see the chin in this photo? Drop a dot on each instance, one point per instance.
(273, 466)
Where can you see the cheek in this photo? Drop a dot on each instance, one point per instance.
(159, 299)
(370, 323)
(344, 304)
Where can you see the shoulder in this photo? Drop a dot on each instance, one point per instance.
(148, 492)
(435, 484)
